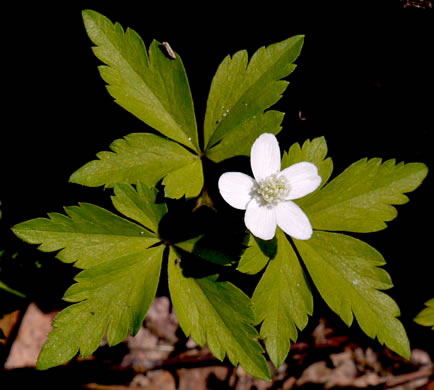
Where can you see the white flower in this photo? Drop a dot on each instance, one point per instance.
(268, 197)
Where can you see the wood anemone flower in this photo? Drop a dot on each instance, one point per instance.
(268, 196)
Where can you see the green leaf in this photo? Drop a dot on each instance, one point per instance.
(345, 272)
(186, 181)
(87, 235)
(242, 90)
(240, 142)
(153, 87)
(139, 204)
(360, 199)
(426, 316)
(282, 301)
(113, 298)
(146, 158)
(217, 313)
(256, 255)
(314, 151)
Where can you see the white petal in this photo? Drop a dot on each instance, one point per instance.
(303, 178)
(260, 220)
(293, 221)
(265, 156)
(236, 189)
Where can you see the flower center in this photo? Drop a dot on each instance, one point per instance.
(273, 189)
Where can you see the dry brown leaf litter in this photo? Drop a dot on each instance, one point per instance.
(160, 357)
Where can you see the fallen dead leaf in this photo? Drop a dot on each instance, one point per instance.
(317, 372)
(412, 380)
(32, 334)
(201, 378)
(289, 383)
(7, 324)
(345, 370)
(155, 380)
(145, 351)
(156, 358)
(369, 379)
(243, 381)
(161, 320)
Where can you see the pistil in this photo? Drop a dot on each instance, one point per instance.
(273, 189)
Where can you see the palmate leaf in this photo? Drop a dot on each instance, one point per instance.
(146, 158)
(240, 142)
(426, 316)
(360, 199)
(122, 266)
(113, 297)
(282, 301)
(345, 272)
(87, 235)
(243, 89)
(153, 87)
(218, 313)
(256, 255)
(186, 181)
(314, 151)
(139, 204)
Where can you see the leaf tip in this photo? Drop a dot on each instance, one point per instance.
(87, 15)
(17, 230)
(41, 365)
(403, 349)
(47, 360)
(424, 170)
(75, 178)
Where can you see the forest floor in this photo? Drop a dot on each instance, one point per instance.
(161, 357)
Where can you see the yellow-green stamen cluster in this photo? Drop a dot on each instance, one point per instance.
(273, 189)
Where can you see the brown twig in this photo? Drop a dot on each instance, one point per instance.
(404, 378)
